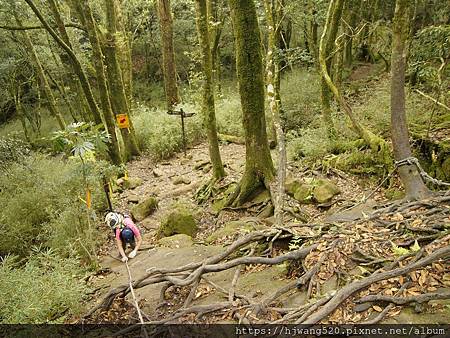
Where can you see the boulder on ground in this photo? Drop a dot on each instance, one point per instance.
(144, 208)
(325, 190)
(301, 191)
(180, 180)
(132, 182)
(176, 241)
(178, 221)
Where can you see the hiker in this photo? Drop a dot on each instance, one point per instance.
(125, 232)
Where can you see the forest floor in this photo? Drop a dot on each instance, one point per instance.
(329, 263)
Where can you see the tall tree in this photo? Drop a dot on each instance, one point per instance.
(113, 146)
(168, 55)
(409, 174)
(259, 171)
(116, 88)
(208, 104)
(43, 81)
(273, 17)
(216, 20)
(85, 15)
(329, 44)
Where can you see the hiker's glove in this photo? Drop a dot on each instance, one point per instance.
(132, 254)
(124, 259)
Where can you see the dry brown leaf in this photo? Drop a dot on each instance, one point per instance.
(377, 308)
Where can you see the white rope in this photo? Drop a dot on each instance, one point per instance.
(414, 161)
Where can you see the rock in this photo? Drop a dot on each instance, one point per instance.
(325, 190)
(120, 181)
(291, 186)
(301, 191)
(181, 179)
(446, 168)
(132, 182)
(176, 241)
(201, 164)
(179, 221)
(234, 227)
(133, 199)
(145, 208)
(156, 172)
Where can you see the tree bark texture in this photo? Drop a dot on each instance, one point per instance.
(216, 22)
(274, 100)
(409, 174)
(259, 169)
(208, 104)
(168, 55)
(117, 93)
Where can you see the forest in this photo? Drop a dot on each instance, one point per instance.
(266, 161)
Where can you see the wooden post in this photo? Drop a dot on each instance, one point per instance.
(183, 115)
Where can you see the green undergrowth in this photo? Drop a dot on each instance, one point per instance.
(42, 200)
(46, 289)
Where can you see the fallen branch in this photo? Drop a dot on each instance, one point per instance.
(353, 287)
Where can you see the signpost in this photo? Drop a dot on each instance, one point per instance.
(122, 121)
(183, 115)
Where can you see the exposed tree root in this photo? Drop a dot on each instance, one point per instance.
(353, 287)
(426, 297)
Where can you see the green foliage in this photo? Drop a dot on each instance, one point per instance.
(44, 290)
(160, 133)
(41, 204)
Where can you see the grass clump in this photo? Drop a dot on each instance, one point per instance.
(41, 200)
(45, 289)
(160, 133)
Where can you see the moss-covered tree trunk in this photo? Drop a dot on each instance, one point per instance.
(113, 147)
(409, 174)
(330, 38)
(377, 144)
(273, 17)
(117, 93)
(41, 75)
(208, 104)
(168, 55)
(259, 171)
(85, 14)
(216, 21)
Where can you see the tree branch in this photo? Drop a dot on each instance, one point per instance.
(24, 28)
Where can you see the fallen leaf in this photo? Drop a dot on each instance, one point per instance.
(377, 308)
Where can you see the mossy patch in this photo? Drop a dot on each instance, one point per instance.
(144, 208)
(132, 182)
(178, 221)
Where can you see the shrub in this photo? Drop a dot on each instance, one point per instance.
(41, 291)
(160, 133)
(41, 205)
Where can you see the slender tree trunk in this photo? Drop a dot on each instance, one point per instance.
(215, 26)
(208, 105)
(78, 69)
(85, 14)
(117, 94)
(168, 55)
(377, 144)
(273, 95)
(330, 38)
(411, 179)
(42, 77)
(259, 171)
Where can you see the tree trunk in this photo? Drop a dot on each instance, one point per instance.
(328, 51)
(78, 69)
(215, 26)
(85, 14)
(411, 179)
(272, 10)
(42, 77)
(259, 171)
(117, 94)
(377, 144)
(168, 55)
(208, 105)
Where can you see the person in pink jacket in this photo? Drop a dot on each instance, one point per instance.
(125, 232)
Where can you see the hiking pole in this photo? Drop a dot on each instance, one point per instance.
(135, 301)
